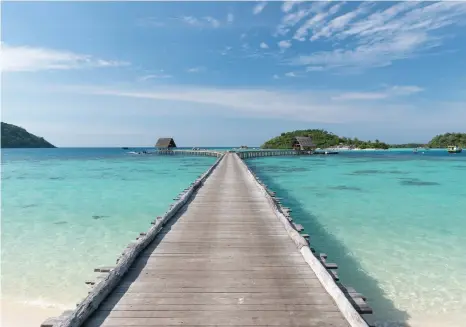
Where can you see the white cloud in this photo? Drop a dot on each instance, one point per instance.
(290, 74)
(259, 7)
(315, 22)
(284, 44)
(405, 89)
(287, 6)
(196, 69)
(264, 45)
(360, 96)
(191, 20)
(306, 106)
(201, 22)
(230, 18)
(403, 30)
(291, 19)
(154, 76)
(314, 68)
(339, 23)
(276, 76)
(214, 22)
(367, 55)
(242, 36)
(225, 51)
(394, 91)
(31, 59)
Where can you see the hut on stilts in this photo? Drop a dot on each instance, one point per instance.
(165, 144)
(303, 144)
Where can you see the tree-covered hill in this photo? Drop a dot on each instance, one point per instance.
(407, 145)
(322, 139)
(444, 140)
(17, 137)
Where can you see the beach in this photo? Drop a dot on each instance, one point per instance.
(392, 221)
(23, 315)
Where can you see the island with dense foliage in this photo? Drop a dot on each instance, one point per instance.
(17, 137)
(322, 139)
(408, 146)
(447, 139)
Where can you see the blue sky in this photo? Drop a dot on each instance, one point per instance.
(231, 73)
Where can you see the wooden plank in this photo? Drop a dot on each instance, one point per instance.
(220, 319)
(218, 289)
(328, 307)
(195, 274)
(160, 298)
(253, 261)
(220, 282)
(327, 312)
(224, 260)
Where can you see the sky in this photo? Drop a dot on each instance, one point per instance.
(232, 73)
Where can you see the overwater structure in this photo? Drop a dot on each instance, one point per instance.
(226, 253)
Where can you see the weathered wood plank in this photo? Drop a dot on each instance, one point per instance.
(219, 282)
(220, 319)
(160, 298)
(328, 307)
(224, 259)
(218, 289)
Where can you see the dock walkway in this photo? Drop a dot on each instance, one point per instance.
(224, 259)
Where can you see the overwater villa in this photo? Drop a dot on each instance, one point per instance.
(303, 143)
(165, 143)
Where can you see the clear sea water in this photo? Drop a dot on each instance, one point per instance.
(394, 221)
(67, 211)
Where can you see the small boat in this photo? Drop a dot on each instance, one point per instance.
(125, 148)
(454, 149)
(415, 150)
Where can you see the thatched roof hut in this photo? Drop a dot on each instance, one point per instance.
(303, 143)
(165, 143)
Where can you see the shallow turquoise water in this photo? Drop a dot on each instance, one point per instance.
(67, 211)
(395, 223)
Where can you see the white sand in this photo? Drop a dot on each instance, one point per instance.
(23, 315)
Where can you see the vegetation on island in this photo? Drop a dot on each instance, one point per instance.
(322, 139)
(447, 139)
(408, 146)
(17, 137)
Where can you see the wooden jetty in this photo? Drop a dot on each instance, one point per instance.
(242, 154)
(225, 254)
(205, 153)
(271, 153)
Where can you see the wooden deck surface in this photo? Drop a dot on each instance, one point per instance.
(224, 260)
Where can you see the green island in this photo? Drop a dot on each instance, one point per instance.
(448, 139)
(324, 139)
(17, 137)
